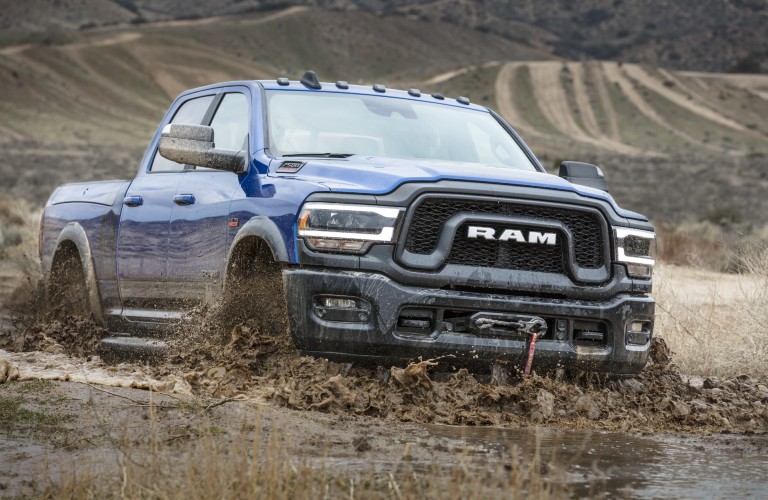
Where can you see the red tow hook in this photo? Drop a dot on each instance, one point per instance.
(535, 328)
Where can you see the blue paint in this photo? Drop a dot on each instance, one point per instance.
(161, 252)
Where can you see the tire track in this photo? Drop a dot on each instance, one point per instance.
(504, 89)
(702, 100)
(13, 50)
(757, 84)
(553, 102)
(582, 101)
(641, 76)
(450, 75)
(605, 99)
(615, 74)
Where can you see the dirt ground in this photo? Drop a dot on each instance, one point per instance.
(66, 413)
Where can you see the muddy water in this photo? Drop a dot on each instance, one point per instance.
(632, 466)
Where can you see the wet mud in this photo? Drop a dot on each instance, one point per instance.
(254, 360)
(40, 323)
(246, 361)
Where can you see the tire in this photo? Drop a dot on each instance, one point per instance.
(254, 293)
(67, 291)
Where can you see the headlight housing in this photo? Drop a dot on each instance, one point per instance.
(347, 228)
(636, 249)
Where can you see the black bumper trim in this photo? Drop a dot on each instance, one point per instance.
(378, 337)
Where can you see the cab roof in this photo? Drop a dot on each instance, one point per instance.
(342, 87)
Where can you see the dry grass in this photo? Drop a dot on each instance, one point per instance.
(716, 324)
(723, 243)
(18, 235)
(253, 465)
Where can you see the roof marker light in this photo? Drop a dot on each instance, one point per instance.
(462, 100)
(342, 84)
(438, 96)
(379, 88)
(414, 92)
(283, 81)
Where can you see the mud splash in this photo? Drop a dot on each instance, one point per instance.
(249, 363)
(254, 361)
(36, 326)
(658, 400)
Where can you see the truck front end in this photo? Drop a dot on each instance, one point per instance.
(441, 235)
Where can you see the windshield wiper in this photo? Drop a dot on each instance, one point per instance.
(322, 155)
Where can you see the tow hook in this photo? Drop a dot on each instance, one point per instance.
(535, 328)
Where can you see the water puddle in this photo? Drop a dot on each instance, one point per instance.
(633, 466)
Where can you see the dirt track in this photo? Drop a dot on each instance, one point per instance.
(505, 92)
(560, 92)
(642, 77)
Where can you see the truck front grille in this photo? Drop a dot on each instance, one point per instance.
(505, 255)
(431, 214)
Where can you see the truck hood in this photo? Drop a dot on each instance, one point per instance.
(376, 175)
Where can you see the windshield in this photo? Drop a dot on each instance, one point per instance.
(343, 124)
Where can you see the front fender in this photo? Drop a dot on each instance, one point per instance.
(264, 228)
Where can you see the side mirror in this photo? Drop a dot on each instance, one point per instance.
(584, 174)
(193, 145)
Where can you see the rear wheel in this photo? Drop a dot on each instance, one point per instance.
(67, 290)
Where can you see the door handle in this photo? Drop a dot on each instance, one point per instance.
(184, 199)
(133, 201)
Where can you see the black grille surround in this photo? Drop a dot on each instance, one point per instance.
(582, 244)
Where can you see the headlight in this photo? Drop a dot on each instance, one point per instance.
(636, 249)
(336, 227)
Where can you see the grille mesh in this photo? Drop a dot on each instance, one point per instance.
(431, 214)
(506, 254)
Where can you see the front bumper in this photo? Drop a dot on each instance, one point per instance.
(381, 329)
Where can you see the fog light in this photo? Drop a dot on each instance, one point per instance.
(638, 332)
(343, 309)
(639, 271)
(338, 303)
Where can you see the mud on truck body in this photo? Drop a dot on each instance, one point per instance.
(396, 224)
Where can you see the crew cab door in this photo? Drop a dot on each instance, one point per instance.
(142, 249)
(199, 233)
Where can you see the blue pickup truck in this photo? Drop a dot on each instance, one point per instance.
(382, 224)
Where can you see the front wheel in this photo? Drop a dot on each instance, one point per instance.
(254, 292)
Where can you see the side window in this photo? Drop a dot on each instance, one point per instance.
(192, 112)
(230, 123)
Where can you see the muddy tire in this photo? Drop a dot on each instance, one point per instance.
(67, 292)
(254, 292)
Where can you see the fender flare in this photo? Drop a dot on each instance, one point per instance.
(75, 233)
(264, 229)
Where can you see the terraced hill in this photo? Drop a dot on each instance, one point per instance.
(634, 110)
(84, 107)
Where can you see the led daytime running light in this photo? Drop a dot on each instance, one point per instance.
(622, 234)
(383, 222)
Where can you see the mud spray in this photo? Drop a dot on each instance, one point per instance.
(255, 359)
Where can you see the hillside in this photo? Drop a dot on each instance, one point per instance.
(701, 35)
(85, 106)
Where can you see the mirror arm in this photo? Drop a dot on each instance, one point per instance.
(223, 159)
